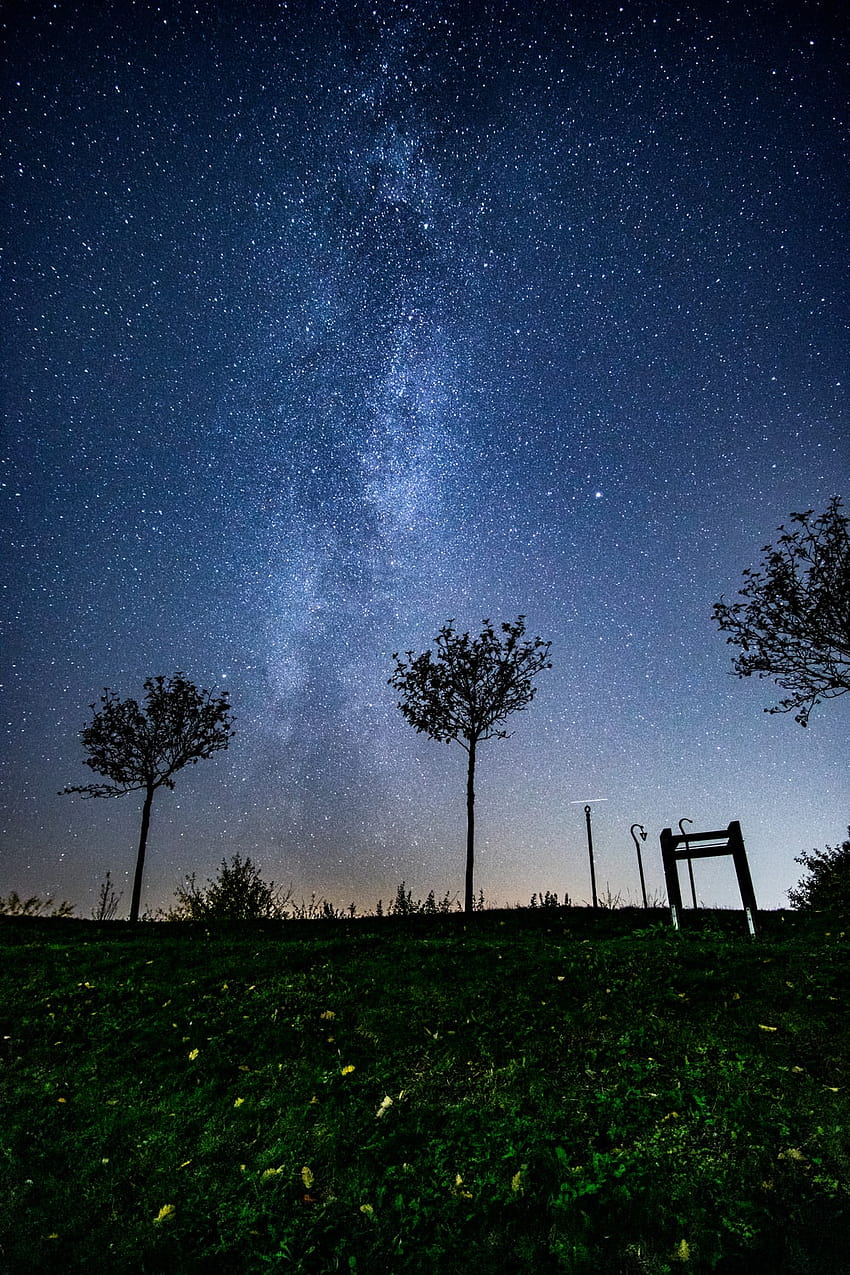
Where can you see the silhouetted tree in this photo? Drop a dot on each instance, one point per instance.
(142, 749)
(793, 623)
(463, 690)
(238, 893)
(826, 888)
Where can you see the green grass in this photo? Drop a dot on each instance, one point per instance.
(523, 1093)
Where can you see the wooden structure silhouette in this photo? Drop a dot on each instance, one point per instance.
(705, 845)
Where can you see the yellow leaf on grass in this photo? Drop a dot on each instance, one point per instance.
(307, 1177)
(193, 1053)
(765, 1028)
(347, 1070)
(167, 1211)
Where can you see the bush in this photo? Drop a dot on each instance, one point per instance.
(546, 899)
(826, 888)
(238, 893)
(14, 905)
(404, 904)
(107, 901)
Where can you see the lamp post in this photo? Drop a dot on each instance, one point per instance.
(590, 853)
(690, 862)
(590, 842)
(642, 832)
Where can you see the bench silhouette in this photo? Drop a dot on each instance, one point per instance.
(705, 845)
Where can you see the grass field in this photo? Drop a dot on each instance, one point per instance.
(525, 1092)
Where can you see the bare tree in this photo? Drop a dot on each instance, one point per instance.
(463, 690)
(142, 749)
(793, 623)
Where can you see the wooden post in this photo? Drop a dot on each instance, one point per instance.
(742, 867)
(671, 871)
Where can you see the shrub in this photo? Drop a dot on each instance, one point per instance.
(826, 888)
(14, 905)
(107, 901)
(238, 893)
(404, 904)
(548, 899)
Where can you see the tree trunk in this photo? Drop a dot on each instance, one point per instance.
(468, 903)
(140, 857)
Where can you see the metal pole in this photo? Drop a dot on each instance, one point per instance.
(642, 832)
(590, 853)
(690, 861)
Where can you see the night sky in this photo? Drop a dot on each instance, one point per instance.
(324, 323)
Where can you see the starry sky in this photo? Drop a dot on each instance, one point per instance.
(326, 322)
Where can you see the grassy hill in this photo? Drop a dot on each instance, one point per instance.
(527, 1092)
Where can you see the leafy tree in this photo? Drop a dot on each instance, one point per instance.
(463, 690)
(238, 893)
(141, 749)
(793, 623)
(14, 905)
(826, 888)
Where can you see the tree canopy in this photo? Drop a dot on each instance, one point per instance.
(792, 622)
(464, 689)
(142, 749)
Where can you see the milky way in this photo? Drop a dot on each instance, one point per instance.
(330, 322)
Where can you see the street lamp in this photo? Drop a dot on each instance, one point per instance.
(590, 843)
(642, 832)
(590, 853)
(690, 861)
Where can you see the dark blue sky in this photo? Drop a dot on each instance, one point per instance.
(327, 322)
